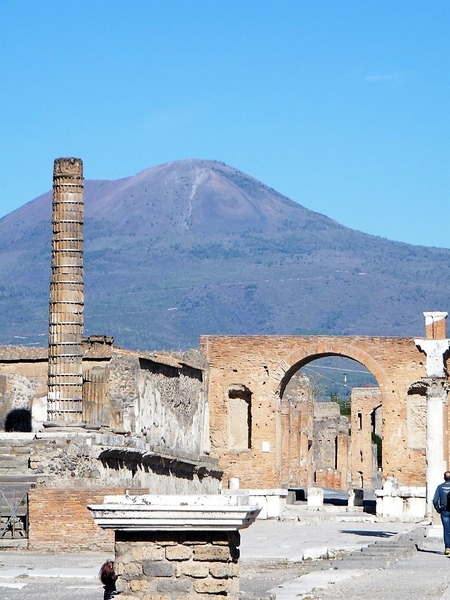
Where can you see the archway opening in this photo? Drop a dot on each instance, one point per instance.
(331, 422)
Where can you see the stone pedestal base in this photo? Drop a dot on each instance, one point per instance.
(401, 503)
(176, 547)
(183, 565)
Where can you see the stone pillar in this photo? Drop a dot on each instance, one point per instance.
(435, 347)
(176, 546)
(436, 392)
(65, 376)
(314, 498)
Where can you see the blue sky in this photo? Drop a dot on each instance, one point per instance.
(343, 106)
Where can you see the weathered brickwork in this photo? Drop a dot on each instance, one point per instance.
(297, 422)
(68, 471)
(177, 565)
(265, 364)
(60, 521)
(365, 402)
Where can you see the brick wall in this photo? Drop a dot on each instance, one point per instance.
(364, 402)
(60, 521)
(265, 365)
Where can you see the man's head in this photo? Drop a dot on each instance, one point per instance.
(447, 476)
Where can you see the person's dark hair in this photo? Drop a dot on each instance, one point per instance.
(447, 476)
(107, 574)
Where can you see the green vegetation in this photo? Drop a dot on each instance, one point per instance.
(344, 404)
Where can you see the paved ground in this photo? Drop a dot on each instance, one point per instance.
(358, 555)
(307, 556)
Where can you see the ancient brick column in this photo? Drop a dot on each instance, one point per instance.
(65, 376)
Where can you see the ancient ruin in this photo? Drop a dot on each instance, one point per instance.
(83, 419)
(65, 370)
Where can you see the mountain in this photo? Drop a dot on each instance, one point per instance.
(197, 247)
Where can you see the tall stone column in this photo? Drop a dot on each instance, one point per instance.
(436, 392)
(435, 347)
(65, 376)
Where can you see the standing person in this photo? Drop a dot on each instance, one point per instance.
(442, 505)
(108, 578)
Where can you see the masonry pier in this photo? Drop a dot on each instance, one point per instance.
(176, 546)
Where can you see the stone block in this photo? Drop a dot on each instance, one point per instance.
(122, 586)
(212, 553)
(178, 584)
(315, 498)
(178, 552)
(138, 585)
(220, 570)
(199, 542)
(164, 539)
(193, 569)
(153, 568)
(147, 552)
(211, 586)
(131, 571)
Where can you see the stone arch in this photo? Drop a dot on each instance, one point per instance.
(299, 358)
(264, 364)
(344, 467)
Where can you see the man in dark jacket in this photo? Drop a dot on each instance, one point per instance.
(440, 504)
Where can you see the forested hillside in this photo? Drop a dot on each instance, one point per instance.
(197, 247)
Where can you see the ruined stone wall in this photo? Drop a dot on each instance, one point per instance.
(162, 401)
(165, 403)
(328, 423)
(297, 416)
(23, 385)
(144, 426)
(91, 460)
(364, 402)
(265, 364)
(330, 445)
(68, 470)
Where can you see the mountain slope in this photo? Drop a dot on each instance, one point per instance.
(196, 247)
